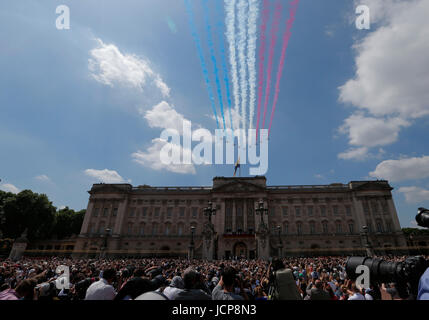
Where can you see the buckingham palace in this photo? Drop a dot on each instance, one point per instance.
(240, 217)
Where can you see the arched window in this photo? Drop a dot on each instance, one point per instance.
(101, 227)
(379, 226)
(325, 227)
(180, 229)
(154, 229)
(338, 227)
(351, 227)
(167, 229)
(312, 227)
(299, 228)
(285, 227)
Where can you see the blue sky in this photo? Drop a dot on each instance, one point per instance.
(353, 103)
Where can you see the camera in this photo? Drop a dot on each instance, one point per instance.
(405, 274)
(422, 217)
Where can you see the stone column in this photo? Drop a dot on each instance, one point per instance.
(234, 215)
(87, 217)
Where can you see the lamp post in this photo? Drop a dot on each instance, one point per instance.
(261, 210)
(191, 245)
(210, 211)
(368, 247)
(279, 230)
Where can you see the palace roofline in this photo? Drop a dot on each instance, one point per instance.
(218, 182)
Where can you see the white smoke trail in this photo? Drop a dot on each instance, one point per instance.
(230, 36)
(251, 56)
(242, 44)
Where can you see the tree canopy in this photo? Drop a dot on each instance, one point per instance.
(33, 211)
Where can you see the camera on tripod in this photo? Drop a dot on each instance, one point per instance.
(405, 274)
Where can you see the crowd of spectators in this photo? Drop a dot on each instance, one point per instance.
(318, 278)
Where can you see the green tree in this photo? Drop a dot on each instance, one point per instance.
(28, 210)
(68, 222)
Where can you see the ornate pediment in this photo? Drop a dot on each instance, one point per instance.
(239, 186)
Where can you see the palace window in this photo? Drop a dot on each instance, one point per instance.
(285, 211)
(297, 211)
(310, 211)
(335, 210)
(169, 212)
(105, 211)
(312, 228)
(339, 228)
(95, 212)
(379, 226)
(115, 212)
(182, 212)
(388, 226)
(323, 211)
(194, 212)
(132, 212)
(365, 208)
(157, 210)
(144, 212)
(348, 210)
(299, 228)
(351, 227)
(325, 227)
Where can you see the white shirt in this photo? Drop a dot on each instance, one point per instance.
(100, 290)
(356, 296)
(171, 292)
(368, 296)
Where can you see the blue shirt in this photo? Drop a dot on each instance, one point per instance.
(424, 286)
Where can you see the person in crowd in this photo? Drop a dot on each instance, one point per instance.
(225, 288)
(355, 293)
(192, 291)
(103, 288)
(176, 286)
(317, 292)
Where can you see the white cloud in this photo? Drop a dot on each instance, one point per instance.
(415, 194)
(164, 116)
(109, 66)
(7, 187)
(43, 178)
(392, 62)
(392, 73)
(105, 176)
(371, 132)
(403, 169)
(151, 158)
(357, 154)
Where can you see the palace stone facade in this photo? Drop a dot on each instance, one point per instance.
(122, 220)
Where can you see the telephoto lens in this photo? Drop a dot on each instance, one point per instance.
(381, 271)
(422, 217)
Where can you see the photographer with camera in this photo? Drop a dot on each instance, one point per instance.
(282, 282)
(408, 279)
(225, 288)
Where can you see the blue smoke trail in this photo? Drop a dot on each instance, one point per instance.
(213, 58)
(221, 31)
(201, 56)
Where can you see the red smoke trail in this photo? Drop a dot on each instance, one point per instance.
(286, 37)
(274, 31)
(262, 47)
